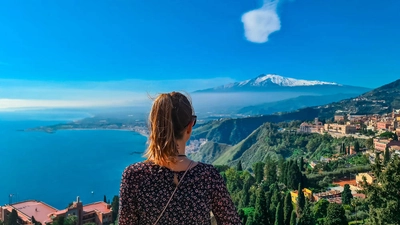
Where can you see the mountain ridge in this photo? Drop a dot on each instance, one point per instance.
(232, 131)
(265, 82)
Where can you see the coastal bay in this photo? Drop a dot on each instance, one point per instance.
(55, 168)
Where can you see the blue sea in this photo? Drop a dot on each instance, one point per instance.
(56, 168)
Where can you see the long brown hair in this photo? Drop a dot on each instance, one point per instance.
(170, 114)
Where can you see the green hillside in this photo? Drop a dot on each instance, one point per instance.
(209, 152)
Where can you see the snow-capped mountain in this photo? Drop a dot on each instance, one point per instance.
(273, 79)
(273, 82)
(268, 88)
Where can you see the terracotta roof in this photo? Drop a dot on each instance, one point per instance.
(97, 206)
(37, 209)
(60, 212)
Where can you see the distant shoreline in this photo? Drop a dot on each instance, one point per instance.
(144, 134)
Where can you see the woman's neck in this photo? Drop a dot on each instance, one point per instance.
(181, 145)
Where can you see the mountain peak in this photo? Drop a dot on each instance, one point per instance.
(274, 79)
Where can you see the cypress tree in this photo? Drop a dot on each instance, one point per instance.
(259, 171)
(270, 172)
(335, 215)
(307, 217)
(357, 147)
(261, 211)
(33, 220)
(279, 215)
(386, 156)
(294, 176)
(250, 220)
(239, 166)
(288, 209)
(115, 207)
(301, 164)
(300, 201)
(293, 218)
(242, 216)
(275, 199)
(13, 218)
(105, 199)
(377, 167)
(346, 195)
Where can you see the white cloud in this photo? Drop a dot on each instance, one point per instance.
(260, 23)
(27, 94)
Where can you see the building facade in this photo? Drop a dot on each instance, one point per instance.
(99, 213)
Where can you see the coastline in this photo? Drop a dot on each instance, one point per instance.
(51, 131)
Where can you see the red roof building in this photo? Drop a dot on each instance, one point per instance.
(99, 213)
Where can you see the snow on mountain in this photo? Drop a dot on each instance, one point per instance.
(273, 79)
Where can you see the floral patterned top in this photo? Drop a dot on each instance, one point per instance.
(146, 188)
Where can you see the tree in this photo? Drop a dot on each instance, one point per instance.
(105, 199)
(370, 143)
(248, 182)
(307, 217)
(288, 208)
(115, 207)
(242, 216)
(71, 220)
(250, 220)
(13, 218)
(320, 208)
(279, 215)
(300, 201)
(58, 221)
(293, 218)
(357, 147)
(34, 222)
(301, 164)
(395, 137)
(258, 169)
(346, 195)
(294, 176)
(270, 172)
(261, 211)
(239, 166)
(386, 156)
(383, 198)
(377, 167)
(335, 215)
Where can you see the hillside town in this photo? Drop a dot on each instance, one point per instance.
(361, 126)
(357, 126)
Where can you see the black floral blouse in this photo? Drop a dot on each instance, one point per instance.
(146, 188)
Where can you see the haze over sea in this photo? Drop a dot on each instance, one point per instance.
(56, 168)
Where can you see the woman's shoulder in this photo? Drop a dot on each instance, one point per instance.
(138, 168)
(208, 168)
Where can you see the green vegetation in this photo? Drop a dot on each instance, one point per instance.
(335, 215)
(346, 195)
(264, 197)
(69, 220)
(12, 218)
(275, 140)
(383, 199)
(115, 207)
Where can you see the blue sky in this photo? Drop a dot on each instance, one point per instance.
(77, 46)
